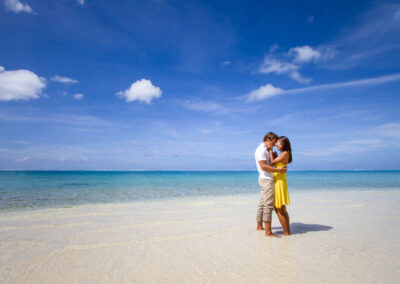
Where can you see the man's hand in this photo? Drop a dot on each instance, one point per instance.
(275, 154)
(283, 170)
(268, 168)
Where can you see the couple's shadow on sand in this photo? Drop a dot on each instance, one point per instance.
(300, 228)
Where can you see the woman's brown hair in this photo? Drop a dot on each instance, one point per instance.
(286, 146)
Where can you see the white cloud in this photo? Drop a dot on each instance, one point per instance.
(20, 85)
(264, 92)
(299, 78)
(17, 6)
(269, 91)
(290, 63)
(141, 90)
(64, 80)
(363, 82)
(272, 65)
(304, 54)
(225, 63)
(78, 97)
(279, 66)
(81, 2)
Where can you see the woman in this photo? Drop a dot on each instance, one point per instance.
(280, 183)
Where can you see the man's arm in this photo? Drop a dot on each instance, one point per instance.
(268, 168)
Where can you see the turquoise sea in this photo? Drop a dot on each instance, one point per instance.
(21, 190)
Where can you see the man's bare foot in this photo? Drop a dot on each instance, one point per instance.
(260, 228)
(286, 233)
(270, 234)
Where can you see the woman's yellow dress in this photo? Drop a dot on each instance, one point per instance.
(281, 189)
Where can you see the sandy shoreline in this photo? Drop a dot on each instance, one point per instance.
(338, 237)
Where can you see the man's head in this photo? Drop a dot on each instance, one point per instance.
(270, 139)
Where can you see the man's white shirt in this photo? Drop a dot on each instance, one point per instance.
(261, 154)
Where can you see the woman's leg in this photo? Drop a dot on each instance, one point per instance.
(286, 214)
(282, 219)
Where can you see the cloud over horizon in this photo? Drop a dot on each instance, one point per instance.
(20, 85)
(141, 90)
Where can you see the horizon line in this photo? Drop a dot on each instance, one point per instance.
(81, 170)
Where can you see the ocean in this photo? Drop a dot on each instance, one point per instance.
(21, 190)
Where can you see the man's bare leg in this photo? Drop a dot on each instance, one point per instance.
(259, 226)
(268, 231)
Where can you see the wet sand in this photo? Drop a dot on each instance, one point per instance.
(350, 237)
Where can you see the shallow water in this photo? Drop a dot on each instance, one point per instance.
(21, 190)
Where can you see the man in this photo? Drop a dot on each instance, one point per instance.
(266, 183)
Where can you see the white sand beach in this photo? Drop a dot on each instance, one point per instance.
(338, 237)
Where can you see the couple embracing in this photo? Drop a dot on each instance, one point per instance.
(274, 193)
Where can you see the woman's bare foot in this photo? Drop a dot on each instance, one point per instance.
(270, 234)
(286, 233)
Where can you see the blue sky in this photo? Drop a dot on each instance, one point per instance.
(195, 85)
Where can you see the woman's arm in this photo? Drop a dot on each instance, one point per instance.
(284, 157)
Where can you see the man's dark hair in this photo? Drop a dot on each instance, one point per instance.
(270, 136)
